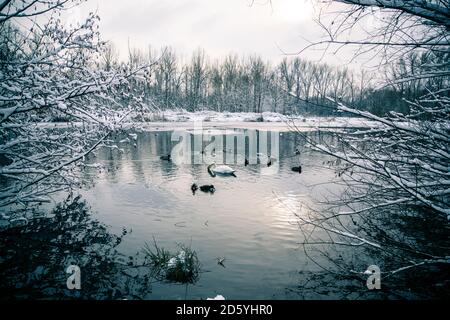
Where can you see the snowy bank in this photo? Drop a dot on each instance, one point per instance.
(205, 116)
(184, 120)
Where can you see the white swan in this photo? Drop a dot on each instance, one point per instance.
(224, 170)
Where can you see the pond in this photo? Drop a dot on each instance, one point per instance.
(245, 235)
(249, 220)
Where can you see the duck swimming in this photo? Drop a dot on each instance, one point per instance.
(271, 161)
(222, 170)
(220, 261)
(208, 188)
(194, 188)
(166, 158)
(297, 169)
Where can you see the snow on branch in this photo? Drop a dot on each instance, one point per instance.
(54, 76)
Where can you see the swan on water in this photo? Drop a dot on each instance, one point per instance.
(223, 170)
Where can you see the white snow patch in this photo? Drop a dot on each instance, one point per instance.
(172, 262)
(218, 297)
(182, 115)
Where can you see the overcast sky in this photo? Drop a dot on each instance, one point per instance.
(218, 26)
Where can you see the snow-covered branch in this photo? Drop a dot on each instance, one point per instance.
(398, 171)
(54, 76)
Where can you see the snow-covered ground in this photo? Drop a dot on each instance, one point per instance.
(214, 116)
(183, 118)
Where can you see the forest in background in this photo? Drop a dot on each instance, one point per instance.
(247, 83)
(293, 86)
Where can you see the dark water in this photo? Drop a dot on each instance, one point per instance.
(249, 220)
(131, 198)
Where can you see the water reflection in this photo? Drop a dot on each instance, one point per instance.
(242, 221)
(35, 257)
(249, 223)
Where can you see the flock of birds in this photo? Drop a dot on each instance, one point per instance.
(224, 170)
(213, 170)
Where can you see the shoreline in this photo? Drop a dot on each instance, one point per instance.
(310, 124)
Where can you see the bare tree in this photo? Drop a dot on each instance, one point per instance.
(110, 56)
(48, 74)
(257, 78)
(216, 79)
(397, 172)
(197, 77)
(167, 74)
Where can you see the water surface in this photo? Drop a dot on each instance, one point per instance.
(249, 220)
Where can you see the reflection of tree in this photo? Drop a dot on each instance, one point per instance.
(411, 237)
(343, 235)
(395, 174)
(34, 258)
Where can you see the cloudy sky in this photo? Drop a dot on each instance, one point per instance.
(218, 26)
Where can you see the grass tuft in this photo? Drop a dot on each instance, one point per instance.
(181, 267)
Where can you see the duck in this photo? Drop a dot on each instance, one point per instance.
(208, 188)
(220, 261)
(271, 161)
(223, 170)
(194, 188)
(166, 157)
(297, 169)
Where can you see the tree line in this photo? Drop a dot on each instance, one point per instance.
(250, 84)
